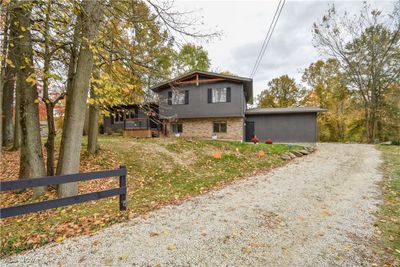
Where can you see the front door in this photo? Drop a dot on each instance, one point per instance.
(249, 130)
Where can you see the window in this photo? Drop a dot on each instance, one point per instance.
(177, 128)
(177, 97)
(219, 95)
(219, 127)
(118, 116)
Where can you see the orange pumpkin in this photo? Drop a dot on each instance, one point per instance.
(217, 155)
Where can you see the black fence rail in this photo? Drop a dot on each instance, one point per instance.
(62, 179)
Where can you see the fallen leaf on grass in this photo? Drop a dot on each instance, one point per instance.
(59, 239)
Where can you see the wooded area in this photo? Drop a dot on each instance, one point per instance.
(359, 83)
(63, 59)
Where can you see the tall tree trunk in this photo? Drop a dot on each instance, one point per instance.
(73, 61)
(76, 104)
(8, 82)
(29, 110)
(50, 143)
(24, 170)
(17, 125)
(51, 132)
(93, 127)
(7, 105)
(86, 124)
(2, 70)
(1, 111)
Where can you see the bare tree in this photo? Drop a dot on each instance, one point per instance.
(368, 49)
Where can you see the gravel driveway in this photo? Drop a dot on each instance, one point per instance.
(315, 211)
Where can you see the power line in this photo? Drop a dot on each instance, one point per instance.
(265, 39)
(268, 36)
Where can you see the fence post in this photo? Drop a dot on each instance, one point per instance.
(122, 183)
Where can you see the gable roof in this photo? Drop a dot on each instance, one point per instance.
(262, 111)
(247, 82)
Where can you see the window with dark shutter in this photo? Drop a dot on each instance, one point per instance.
(178, 97)
(209, 95)
(219, 95)
(169, 97)
(186, 97)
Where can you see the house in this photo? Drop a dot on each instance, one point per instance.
(210, 105)
(139, 120)
(203, 104)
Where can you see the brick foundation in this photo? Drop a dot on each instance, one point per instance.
(203, 128)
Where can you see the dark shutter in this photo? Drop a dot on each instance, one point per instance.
(209, 95)
(228, 94)
(186, 97)
(112, 118)
(169, 97)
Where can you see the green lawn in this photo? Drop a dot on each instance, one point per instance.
(160, 172)
(389, 214)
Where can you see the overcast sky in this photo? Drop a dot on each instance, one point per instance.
(244, 25)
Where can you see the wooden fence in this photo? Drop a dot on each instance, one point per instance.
(62, 179)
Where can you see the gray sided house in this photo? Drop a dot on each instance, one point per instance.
(204, 105)
(211, 105)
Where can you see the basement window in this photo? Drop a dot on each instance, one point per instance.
(219, 127)
(177, 127)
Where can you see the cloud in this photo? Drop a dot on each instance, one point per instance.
(245, 24)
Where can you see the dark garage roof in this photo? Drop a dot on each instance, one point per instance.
(262, 111)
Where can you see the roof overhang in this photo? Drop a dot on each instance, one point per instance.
(193, 77)
(264, 111)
